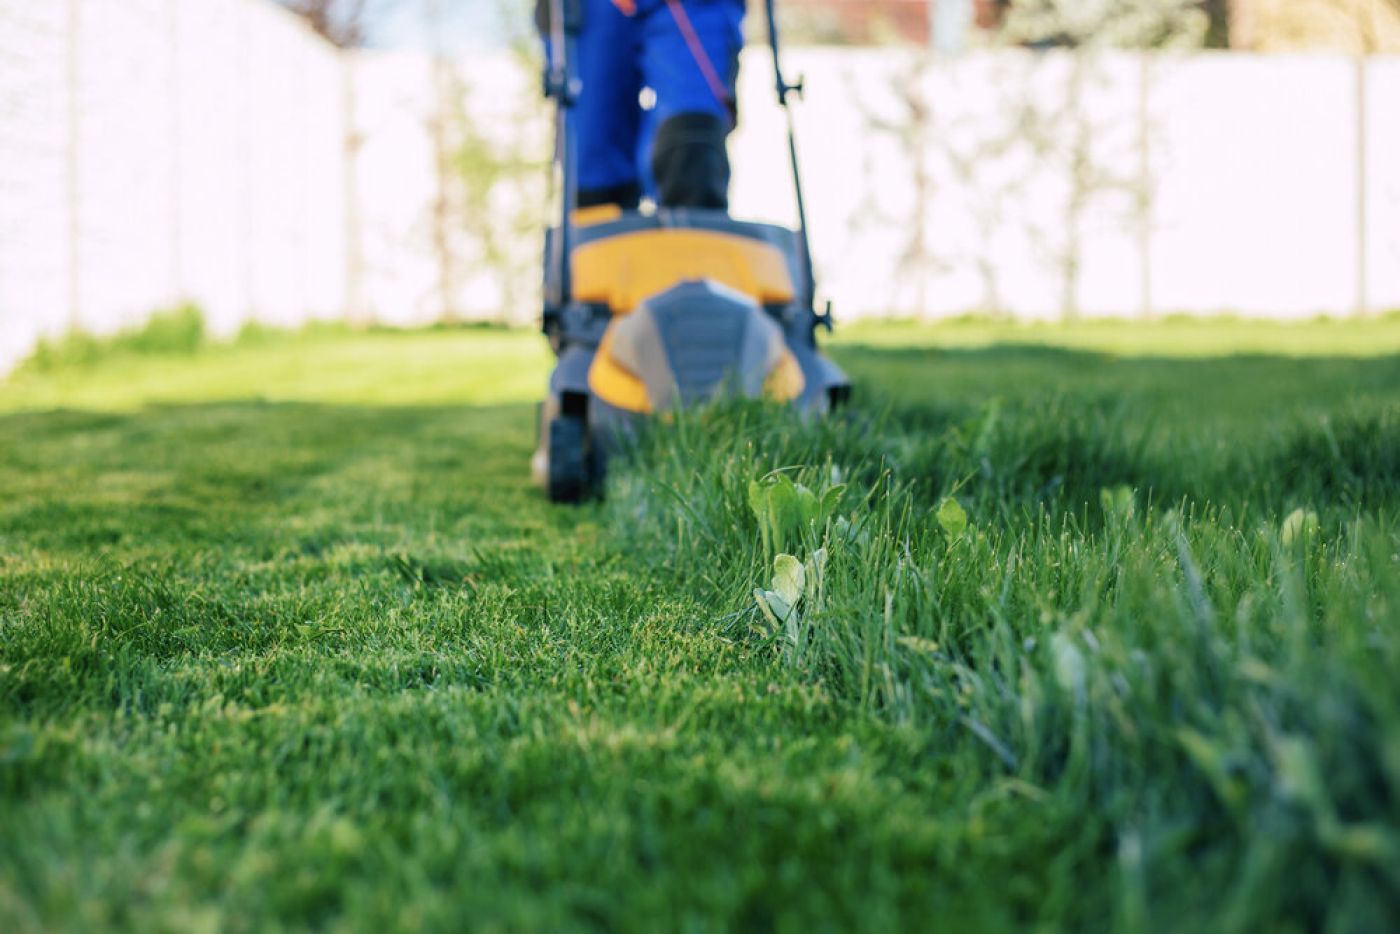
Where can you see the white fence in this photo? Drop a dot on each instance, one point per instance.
(1127, 185)
(154, 151)
(158, 150)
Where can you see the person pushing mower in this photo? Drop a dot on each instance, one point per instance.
(672, 302)
(686, 53)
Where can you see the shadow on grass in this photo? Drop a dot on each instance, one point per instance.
(1028, 422)
(241, 474)
(177, 531)
(1020, 423)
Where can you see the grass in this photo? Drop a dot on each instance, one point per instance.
(286, 639)
(174, 332)
(1171, 337)
(326, 363)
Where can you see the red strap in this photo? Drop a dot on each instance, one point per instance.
(697, 51)
(628, 7)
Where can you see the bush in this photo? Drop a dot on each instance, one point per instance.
(176, 332)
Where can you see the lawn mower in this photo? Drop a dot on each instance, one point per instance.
(649, 310)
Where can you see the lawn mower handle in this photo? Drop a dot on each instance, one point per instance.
(784, 89)
(562, 85)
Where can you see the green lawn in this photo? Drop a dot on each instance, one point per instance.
(1099, 628)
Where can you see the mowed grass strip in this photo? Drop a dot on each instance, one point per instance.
(286, 650)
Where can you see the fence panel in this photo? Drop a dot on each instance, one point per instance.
(35, 258)
(153, 151)
(125, 197)
(1257, 191)
(1246, 167)
(214, 49)
(1382, 205)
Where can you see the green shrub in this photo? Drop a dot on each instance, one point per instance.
(177, 332)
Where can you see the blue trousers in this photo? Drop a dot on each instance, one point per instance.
(620, 55)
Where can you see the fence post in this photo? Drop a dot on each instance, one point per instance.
(1363, 298)
(354, 245)
(177, 258)
(1148, 192)
(247, 229)
(74, 142)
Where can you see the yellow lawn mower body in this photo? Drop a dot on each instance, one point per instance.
(669, 309)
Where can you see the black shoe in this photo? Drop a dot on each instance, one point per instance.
(690, 162)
